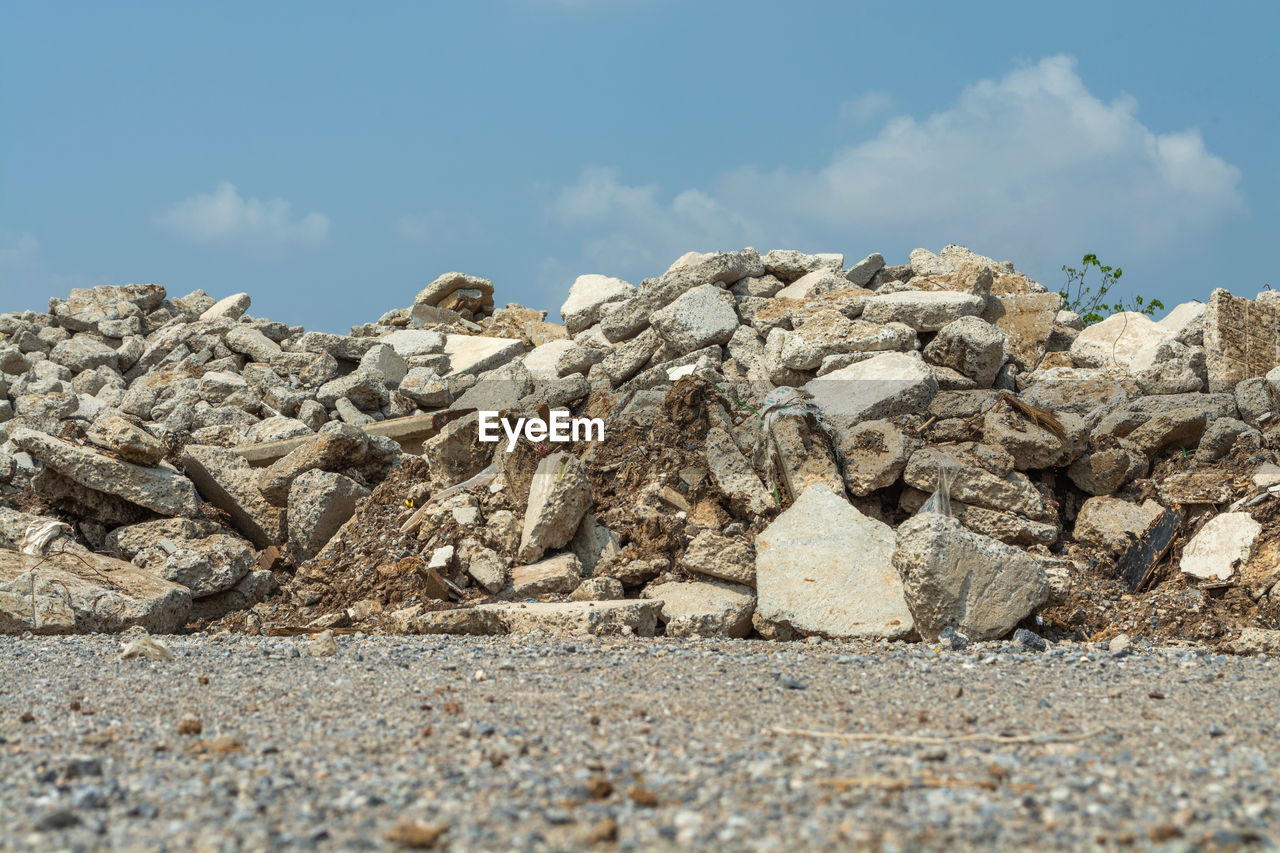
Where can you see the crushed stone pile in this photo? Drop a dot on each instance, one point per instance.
(773, 445)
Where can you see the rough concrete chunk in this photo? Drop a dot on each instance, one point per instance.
(160, 489)
(924, 311)
(588, 298)
(319, 503)
(226, 481)
(561, 573)
(883, 386)
(66, 593)
(207, 566)
(476, 354)
(1115, 341)
(1221, 546)
(969, 346)
(734, 475)
(127, 440)
(824, 568)
(601, 618)
(1113, 524)
(955, 578)
(1241, 339)
(698, 318)
(720, 557)
(703, 609)
(558, 499)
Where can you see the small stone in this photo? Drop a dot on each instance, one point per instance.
(1030, 640)
(952, 639)
(323, 645)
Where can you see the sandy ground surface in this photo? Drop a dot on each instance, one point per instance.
(623, 744)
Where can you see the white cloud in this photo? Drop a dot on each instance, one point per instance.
(437, 227)
(224, 216)
(1029, 167)
(865, 106)
(22, 254)
(641, 230)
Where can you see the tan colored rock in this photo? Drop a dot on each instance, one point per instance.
(1113, 524)
(559, 574)
(65, 593)
(720, 557)
(127, 440)
(161, 489)
(226, 480)
(703, 608)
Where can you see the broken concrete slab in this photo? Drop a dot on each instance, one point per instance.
(955, 578)
(733, 475)
(1220, 547)
(1241, 339)
(225, 480)
(824, 568)
(924, 311)
(627, 617)
(703, 608)
(210, 565)
(127, 440)
(320, 502)
(1113, 524)
(883, 386)
(559, 497)
(472, 354)
(559, 574)
(720, 557)
(160, 489)
(588, 299)
(65, 593)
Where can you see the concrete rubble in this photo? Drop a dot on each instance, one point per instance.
(794, 446)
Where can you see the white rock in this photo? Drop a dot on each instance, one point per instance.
(542, 361)
(476, 353)
(821, 280)
(922, 310)
(231, 307)
(384, 358)
(824, 568)
(410, 342)
(703, 608)
(1220, 546)
(883, 386)
(699, 317)
(1115, 341)
(588, 297)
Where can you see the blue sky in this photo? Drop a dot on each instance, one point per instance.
(332, 158)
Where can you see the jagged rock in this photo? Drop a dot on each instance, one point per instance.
(597, 589)
(574, 618)
(1028, 320)
(875, 454)
(455, 454)
(559, 497)
(1257, 400)
(65, 593)
(1219, 436)
(559, 574)
(734, 476)
(161, 489)
(924, 311)
(789, 265)
(886, 385)
(1186, 323)
(1113, 524)
(251, 342)
(1220, 547)
(594, 542)
(703, 608)
(1032, 446)
(128, 441)
(1240, 339)
(971, 347)
(701, 316)
(1079, 390)
(226, 480)
(255, 586)
(385, 360)
(128, 541)
(824, 568)
(1115, 341)
(206, 566)
(815, 283)
(588, 298)
(484, 565)
(1103, 471)
(83, 352)
(955, 578)
(335, 447)
(720, 557)
(477, 294)
(1007, 527)
(861, 273)
(229, 307)
(319, 503)
(974, 481)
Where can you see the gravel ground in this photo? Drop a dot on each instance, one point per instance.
(540, 743)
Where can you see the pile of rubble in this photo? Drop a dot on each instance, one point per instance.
(791, 448)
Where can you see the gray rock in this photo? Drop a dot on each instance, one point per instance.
(161, 489)
(1218, 438)
(702, 316)
(955, 578)
(252, 342)
(1113, 524)
(886, 385)
(384, 359)
(588, 298)
(65, 593)
(733, 475)
(320, 502)
(824, 568)
(703, 608)
(226, 480)
(207, 566)
(971, 347)
(559, 574)
(559, 497)
(924, 311)
(720, 557)
(861, 273)
(127, 440)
